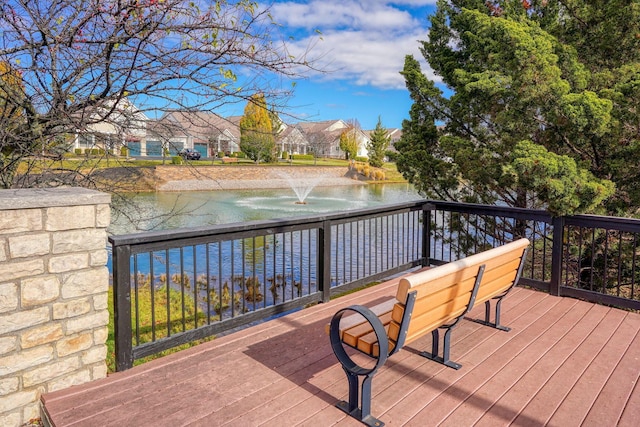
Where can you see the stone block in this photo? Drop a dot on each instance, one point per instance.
(8, 385)
(25, 360)
(3, 250)
(8, 297)
(73, 308)
(75, 378)
(70, 218)
(12, 419)
(8, 344)
(98, 258)
(29, 245)
(39, 290)
(96, 354)
(15, 270)
(101, 301)
(44, 334)
(100, 335)
(99, 371)
(86, 323)
(71, 262)
(20, 221)
(103, 216)
(69, 345)
(23, 319)
(46, 373)
(65, 242)
(31, 413)
(86, 282)
(16, 400)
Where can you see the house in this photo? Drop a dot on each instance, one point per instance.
(292, 140)
(111, 126)
(205, 132)
(324, 138)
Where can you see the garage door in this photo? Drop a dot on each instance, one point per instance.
(154, 148)
(134, 148)
(202, 149)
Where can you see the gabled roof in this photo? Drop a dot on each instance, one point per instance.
(201, 125)
(323, 126)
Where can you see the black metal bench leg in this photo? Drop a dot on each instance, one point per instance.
(446, 349)
(360, 410)
(487, 315)
(359, 405)
(434, 355)
(497, 324)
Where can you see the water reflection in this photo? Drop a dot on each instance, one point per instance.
(161, 211)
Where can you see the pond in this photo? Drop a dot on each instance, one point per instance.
(169, 210)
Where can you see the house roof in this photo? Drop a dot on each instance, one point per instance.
(202, 125)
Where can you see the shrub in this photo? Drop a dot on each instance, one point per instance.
(176, 160)
(78, 151)
(221, 154)
(361, 159)
(378, 175)
(124, 151)
(94, 151)
(302, 156)
(285, 155)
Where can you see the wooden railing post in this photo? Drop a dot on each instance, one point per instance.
(122, 307)
(324, 260)
(556, 255)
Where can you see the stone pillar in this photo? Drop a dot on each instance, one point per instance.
(53, 294)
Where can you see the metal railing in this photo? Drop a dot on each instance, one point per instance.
(173, 287)
(176, 286)
(583, 256)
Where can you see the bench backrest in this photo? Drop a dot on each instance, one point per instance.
(443, 293)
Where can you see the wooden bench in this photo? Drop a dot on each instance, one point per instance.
(425, 302)
(229, 160)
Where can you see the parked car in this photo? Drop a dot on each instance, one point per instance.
(189, 154)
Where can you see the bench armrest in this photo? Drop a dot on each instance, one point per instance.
(338, 348)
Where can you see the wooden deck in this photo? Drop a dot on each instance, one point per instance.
(564, 363)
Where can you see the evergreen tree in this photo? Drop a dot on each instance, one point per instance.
(543, 105)
(378, 144)
(257, 138)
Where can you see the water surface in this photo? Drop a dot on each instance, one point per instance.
(168, 210)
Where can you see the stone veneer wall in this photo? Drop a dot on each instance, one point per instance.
(53, 295)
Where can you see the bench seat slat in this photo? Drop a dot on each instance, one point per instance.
(352, 336)
(355, 319)
(368, 344)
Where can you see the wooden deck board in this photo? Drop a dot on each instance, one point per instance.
(564, 362)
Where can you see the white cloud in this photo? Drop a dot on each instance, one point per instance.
(361, 41)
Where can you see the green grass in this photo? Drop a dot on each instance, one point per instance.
(392, 174)
(160, 316)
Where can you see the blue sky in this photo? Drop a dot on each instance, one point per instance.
(362, 44)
